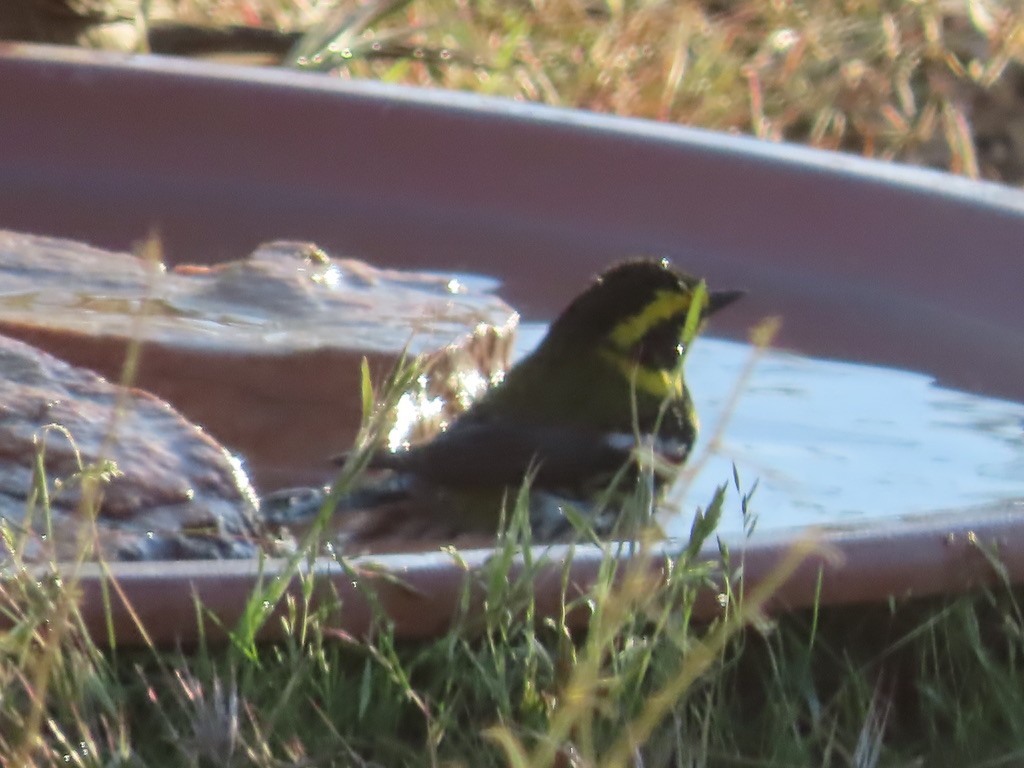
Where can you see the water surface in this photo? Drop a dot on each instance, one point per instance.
(835, 443)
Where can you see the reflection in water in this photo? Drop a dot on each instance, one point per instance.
(834, 443)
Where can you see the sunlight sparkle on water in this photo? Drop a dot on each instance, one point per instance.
(414, 407)
(329, 276)
(417, 407)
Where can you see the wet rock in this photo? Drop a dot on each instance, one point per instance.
(263, 352)
(75, 448)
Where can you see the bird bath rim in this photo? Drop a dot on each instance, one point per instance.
(865, 260)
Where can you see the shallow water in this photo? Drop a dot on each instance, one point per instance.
(834, 443)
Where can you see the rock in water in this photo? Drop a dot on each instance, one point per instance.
(264, 352)
(170, 491)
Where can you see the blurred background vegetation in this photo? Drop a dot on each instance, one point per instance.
(932, 82)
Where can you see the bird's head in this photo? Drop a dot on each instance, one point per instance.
(633, 317)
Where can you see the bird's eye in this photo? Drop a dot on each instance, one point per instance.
(660, 347)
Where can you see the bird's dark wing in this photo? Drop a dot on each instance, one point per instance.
(481, 453)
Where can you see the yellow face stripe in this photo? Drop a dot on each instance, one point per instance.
(664, 305)
(657, 382)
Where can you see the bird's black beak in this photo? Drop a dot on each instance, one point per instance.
(719, 299)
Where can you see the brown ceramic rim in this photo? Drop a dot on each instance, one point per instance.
(422, 592)
(864, 261)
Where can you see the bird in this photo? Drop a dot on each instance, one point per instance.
(604, 384)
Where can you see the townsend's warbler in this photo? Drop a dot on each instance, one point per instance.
(605, 382)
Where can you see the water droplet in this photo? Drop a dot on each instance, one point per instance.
(330, 277)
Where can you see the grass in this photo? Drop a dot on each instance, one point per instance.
(935, 683)
(932, 82)
(528, 692)
(643, 684)
(929, 82)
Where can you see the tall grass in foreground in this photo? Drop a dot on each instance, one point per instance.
(935, 683)
(644, 684)
(506, 684)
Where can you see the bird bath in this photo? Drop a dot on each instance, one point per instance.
(864, 262)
